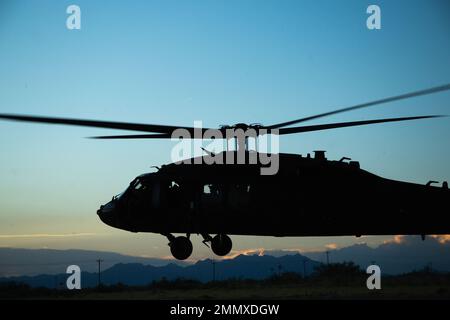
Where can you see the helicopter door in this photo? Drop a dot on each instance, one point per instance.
(212, 197)
(239, 196)
(172, 196)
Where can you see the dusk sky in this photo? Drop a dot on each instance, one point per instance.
(221, 62)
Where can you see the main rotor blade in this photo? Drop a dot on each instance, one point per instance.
(98, 124)
(364, 105)
(283, 131)
(146, 136)
(348, 124)
(134, 136)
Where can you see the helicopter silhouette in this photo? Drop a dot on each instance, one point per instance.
(307, 196)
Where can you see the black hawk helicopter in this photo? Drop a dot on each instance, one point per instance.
(308, 196)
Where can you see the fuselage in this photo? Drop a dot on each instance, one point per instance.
(309, 196)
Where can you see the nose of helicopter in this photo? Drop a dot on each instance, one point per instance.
(108, 213)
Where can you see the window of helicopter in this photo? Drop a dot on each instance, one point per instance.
(174, 186)
(211, 193)
(138, 185)
(119, 196)
(211, 189)
(206, 189)
(173, 193)
(241, 187)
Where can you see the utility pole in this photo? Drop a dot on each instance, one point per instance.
(304, 268)
(328, 257)
(214, 270)
(99, 261)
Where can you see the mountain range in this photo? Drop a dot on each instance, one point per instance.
(18, 262)
(400, 255)
(242, 266)
(46, 267)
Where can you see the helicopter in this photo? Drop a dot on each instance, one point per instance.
(307, 196)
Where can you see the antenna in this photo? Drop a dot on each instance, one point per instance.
(210, 153)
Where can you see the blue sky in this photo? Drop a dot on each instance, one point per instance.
(222, 62)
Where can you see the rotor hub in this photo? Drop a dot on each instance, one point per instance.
(243, 126)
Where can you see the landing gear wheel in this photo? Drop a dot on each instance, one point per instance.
(181, 248)
(221, 244)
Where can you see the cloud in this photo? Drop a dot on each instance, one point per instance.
(45, 235)
(276, 252)
(442, 238)
(234, 253)
(401, 239)
(398, 239)
(331, 246)
(262, 252)
(397, 255)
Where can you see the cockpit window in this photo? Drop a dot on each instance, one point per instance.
(138, 185)
(120, 195)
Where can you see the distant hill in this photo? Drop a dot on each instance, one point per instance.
(18, 262)
(248, 267)
(401, 255)
(404, 254)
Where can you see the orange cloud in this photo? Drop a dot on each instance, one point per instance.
(442, 238)
(397, 239)
(261, 252)
(245, 252)
(331, 246)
